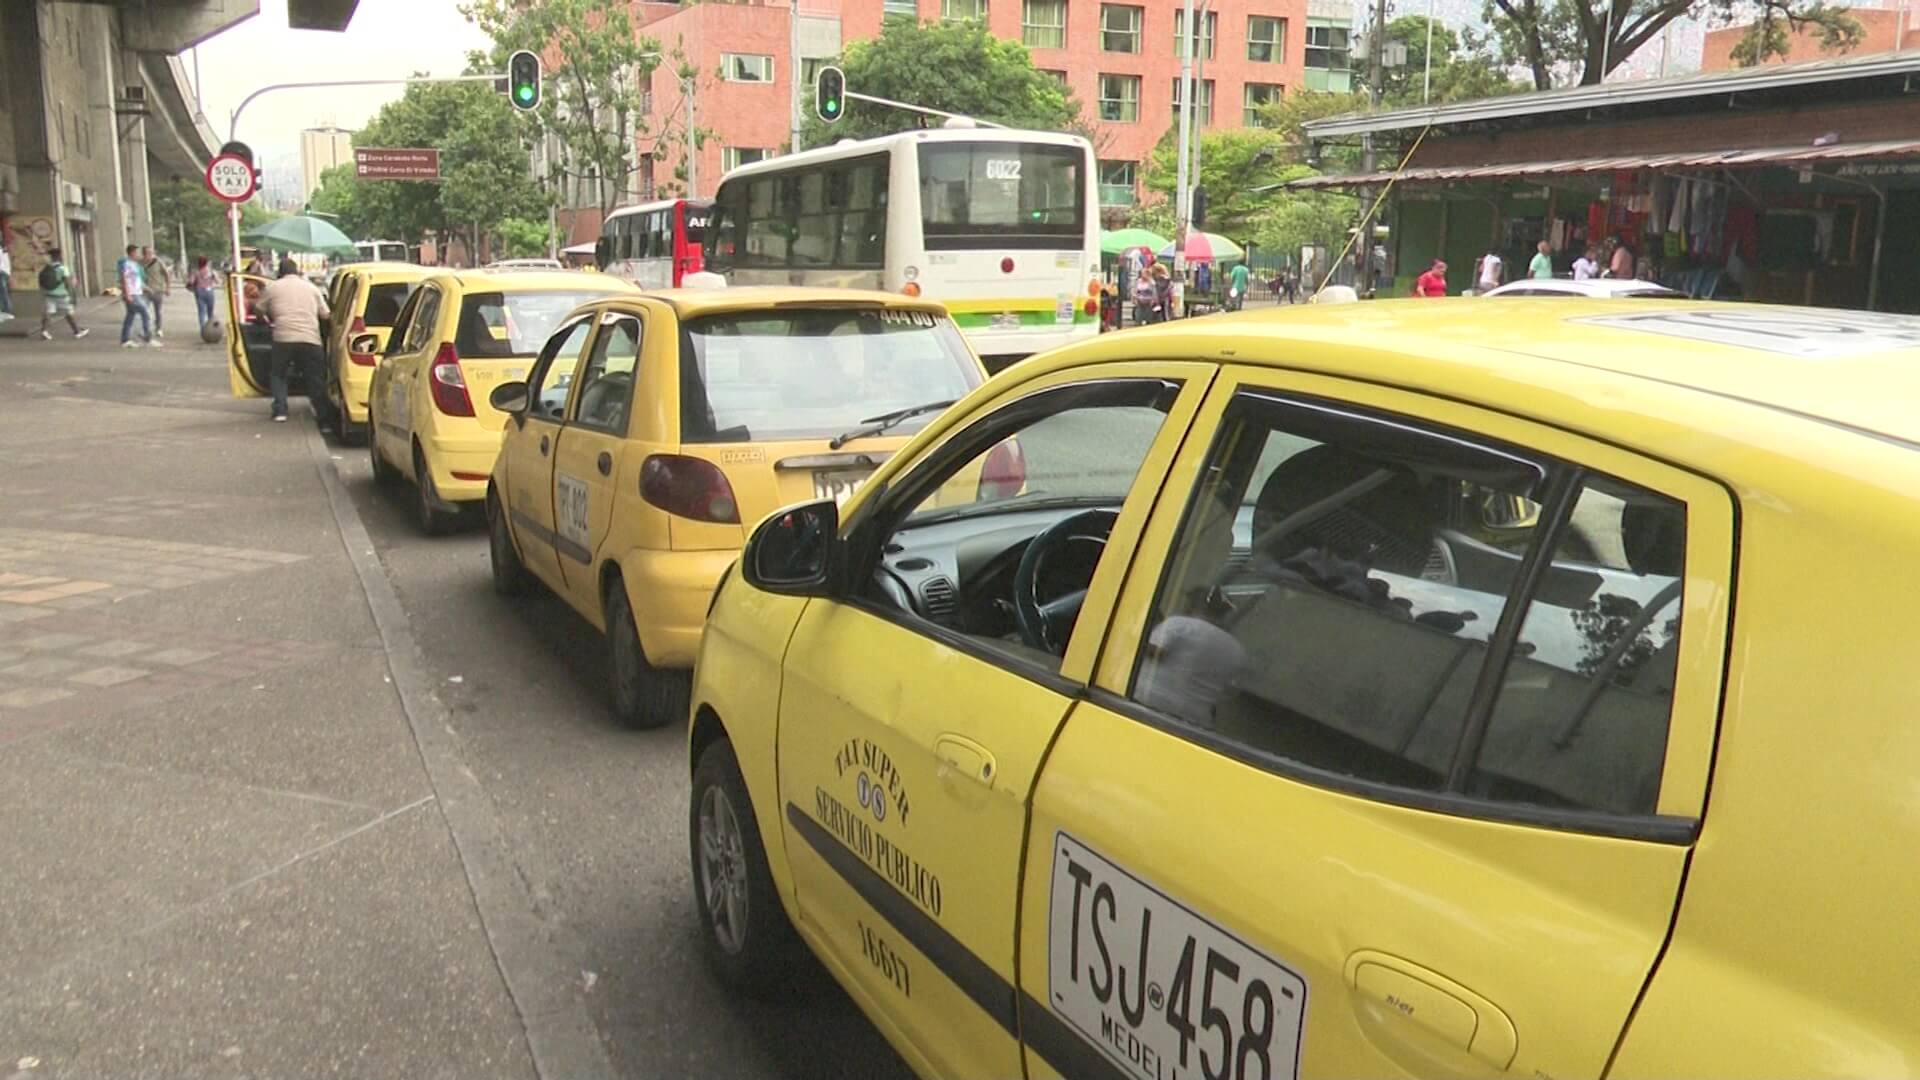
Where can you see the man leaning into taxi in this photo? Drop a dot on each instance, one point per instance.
(295, 307)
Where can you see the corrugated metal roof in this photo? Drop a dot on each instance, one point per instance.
(1574, 98)
(1693, 159)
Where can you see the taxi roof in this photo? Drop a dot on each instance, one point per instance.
(536, 281)
(691, 303)
(1850, 369)
(388, 268)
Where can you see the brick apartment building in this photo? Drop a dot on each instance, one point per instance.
(1120, 58)
(1886, 25)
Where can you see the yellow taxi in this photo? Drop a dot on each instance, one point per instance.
(365, 299)
(1429, 689)
(460, 335)
(652, 426)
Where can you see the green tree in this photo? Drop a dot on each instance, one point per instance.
(187, 201)
(338, 199)
(1245, 172)
(521, 238)
(1464, 66)
(599, 71)
(957, 67)
(1582, 41)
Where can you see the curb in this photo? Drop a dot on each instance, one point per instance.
(561, 1036)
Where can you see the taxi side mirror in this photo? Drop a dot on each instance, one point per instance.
(510, 397)
(364, 344)
(792, 552)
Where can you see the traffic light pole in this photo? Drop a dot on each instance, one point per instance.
(1182, 196)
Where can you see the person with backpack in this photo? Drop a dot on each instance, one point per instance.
(56, 289)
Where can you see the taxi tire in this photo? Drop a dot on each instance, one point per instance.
(769, 953)
(432, 520)
(383, 473)
(509, 573)
(644, 696)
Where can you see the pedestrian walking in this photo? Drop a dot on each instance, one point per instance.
(56, 290)
(1203, 278)
(1542, 264)
(1293, 287)
(6, 279)
(158, 286)
(1237, 281)
(1145, 298)
(295, 307)
(1489, 274)
(132, 290)
(1433, 282)
(201, 282)
(1587, 266)
(1162, 293)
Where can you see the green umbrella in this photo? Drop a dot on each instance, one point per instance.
(301, 233)
(1119, 240)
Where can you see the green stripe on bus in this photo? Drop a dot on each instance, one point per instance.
(1035, 319)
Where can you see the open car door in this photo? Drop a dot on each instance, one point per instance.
(250, 345)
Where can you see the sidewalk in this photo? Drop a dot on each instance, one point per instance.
(223, 854)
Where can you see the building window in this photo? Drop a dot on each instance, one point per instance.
(1266, 39)
(1120, 97)
(746, 67)
(1120, 28)
(963, 9)
(1058, 76)
(905, 9)
(810, 69)
(1327, 58)
(1209, 22)
(732, 157)
(1043, 24)
(1116, 183)
(1254, 98)
(1203, 105)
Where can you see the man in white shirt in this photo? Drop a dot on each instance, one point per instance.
(1490, 276)
(1586, 267)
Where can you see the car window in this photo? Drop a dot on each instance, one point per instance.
(403, 326)
(553, 373)
(1339, 575)
(998, 534)
(502, 325)
(384, 301)
(606, 382)
(425, 321)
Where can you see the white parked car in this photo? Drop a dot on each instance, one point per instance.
(526, 264)
(1595, 287)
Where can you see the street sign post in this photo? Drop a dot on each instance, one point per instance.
(230, 177)
(390, 163)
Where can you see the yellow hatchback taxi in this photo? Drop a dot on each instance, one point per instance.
(460, 335)
(651, 426)
(1429, 689)
(366, 299)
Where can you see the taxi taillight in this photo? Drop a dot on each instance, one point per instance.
(689, 487)
(448, 383)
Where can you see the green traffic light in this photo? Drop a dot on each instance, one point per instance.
(525, 93)
(832, 107)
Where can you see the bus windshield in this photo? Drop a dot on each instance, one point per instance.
(1002, 194)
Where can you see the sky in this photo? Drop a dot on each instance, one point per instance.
(386, 39)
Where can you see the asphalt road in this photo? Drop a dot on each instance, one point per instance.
(289, 791)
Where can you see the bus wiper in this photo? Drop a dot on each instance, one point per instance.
(875, 425)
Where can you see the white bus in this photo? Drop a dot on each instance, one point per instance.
(1001, 226)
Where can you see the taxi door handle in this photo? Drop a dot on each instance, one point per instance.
(605, 463)
(1401, 1002)
(543, 446)
(965, 757)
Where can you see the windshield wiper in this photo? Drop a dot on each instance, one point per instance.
(875, 425)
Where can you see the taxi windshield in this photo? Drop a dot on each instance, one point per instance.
(814, 373)
(497, 325)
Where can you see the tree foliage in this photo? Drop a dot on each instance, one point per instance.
(957, 67)
(1245, 172)
(187, 201)
(598, 74)
(484, 178)
(1582, 41)
(1465, 66)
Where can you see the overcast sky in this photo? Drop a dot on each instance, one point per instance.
(387, 39)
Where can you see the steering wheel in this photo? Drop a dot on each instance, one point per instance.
(1044, 624)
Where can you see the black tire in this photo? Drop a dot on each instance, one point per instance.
(383, 473)
(641, 695)
(752, 945)
(509, 573)
(432, 520)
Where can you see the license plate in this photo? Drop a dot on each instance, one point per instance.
(1158, 988)
(838, 485)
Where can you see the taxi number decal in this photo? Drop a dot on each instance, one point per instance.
(891, 965)
(571, 507)
(1157, 988)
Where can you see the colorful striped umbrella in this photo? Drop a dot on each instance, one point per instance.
(1207, 247)
(1120, 241)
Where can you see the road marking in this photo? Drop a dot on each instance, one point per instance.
(561, 1036)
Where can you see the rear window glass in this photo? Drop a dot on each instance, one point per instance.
(385, 301)
(511, 324)
(1003, 191)
(815, 373)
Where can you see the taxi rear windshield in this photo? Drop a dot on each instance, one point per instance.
(811, 374)
(508, 325)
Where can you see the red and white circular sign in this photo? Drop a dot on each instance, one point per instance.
(231, 178)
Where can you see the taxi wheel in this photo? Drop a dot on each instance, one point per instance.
(748, 939)
(509, 574)
(383, 473)
(643, 696)
(432, 520)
